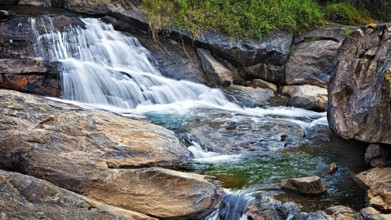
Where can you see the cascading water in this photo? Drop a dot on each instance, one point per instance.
(103, 66)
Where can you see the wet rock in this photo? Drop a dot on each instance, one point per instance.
(36, 3)
(319, 215)
(305, 185)
(26, 197)
(248, 96)
(378, 156)
(243, 135)
(306, 96)
(217, 73)
(273, 49)
(378, 181)
(268, 208)
(259, 83)
(332, 168)
(372, 214)
(359, 93)
(312, 63)
(174, 59)
(80, 150)
(30, 75)
(269, 72)
(343, 212)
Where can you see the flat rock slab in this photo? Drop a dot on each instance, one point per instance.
(305, 185)
(77, 149)
(26, 197)
(378, 181)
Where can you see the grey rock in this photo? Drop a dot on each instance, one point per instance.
(248, 96)
(378, 156)
(273, 49)
(269, 72)
(259, 83)
(306, 96)
(217, 73)
(312, 63)
(36, 3)
(359, 93)
(343, 212)
(332, 168)
(370, 213)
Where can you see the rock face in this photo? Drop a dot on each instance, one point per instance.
(249, 96)
(314, 56)
(306, 96)
(371, 213)
(81, 151)
(360, 91)
(26, 197)
(306, 185)
(378, 181)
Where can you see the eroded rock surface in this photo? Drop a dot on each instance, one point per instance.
(26, 197)
(360, 92)
(378, 181)
(79, 150)
(305, 185)
(306, 96)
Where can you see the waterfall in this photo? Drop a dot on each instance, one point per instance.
(103, 66)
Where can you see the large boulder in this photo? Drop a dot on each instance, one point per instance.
(377, 155)
(272, 49)
(26, 197)
(315, 56)
(378, 183)
(360, 91)
(249, 96)
(269, 72)
(85, 151)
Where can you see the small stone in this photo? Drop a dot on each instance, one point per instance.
(311, 186)
(331, 168)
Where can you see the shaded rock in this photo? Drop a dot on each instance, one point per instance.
(334, 32)
(378, 156)
(273, 49)
(37, 3)
(312, 63)
(259, 83)
(378, 181)
(343, 212)
(248, 96)
(305, 185)
(332, 168)
(73, 148)
(99, 7)
(359, 93)
(269, 72)
(9, 2)
(372, 214)
(306, 96)
(241, 134)
(267, 208)
(29, 75)
(24, 197)
(217, 73)
(174, 59)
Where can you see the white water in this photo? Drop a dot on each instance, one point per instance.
(201, 155)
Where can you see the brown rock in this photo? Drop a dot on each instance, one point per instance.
(306, 96)
(259, 83)
(26, 197)
(332, 168)
(269, 72)
(378, 181)
(305, 185)
(37, 3)
(359, 94)
(378, 156)
(74, 148)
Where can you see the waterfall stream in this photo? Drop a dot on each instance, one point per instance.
(103, 68)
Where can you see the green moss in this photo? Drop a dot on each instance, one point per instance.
(345, 13)
(348, 32)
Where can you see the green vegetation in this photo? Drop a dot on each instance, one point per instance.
(248, 18)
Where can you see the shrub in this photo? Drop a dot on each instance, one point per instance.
(346, 13)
